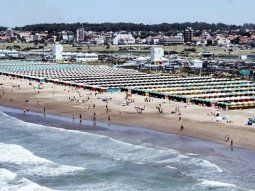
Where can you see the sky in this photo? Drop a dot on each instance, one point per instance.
(22, 12)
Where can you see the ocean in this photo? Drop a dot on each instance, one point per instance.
(41, 157)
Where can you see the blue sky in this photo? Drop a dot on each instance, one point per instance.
(21, 12)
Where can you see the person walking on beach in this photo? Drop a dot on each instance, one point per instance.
(231, 145)
(109, 118)
(73, 118)
(44, 111)
(182, 128)
(227, 138)
(80, 118)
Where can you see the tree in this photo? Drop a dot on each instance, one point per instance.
(16, 47)
(108, 46)
(236, 40)
(9, 48)
(129, 27)
(190, 50)
(79, 49)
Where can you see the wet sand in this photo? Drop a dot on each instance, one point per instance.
(197, 120)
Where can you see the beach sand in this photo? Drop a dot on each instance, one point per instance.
(197, 120)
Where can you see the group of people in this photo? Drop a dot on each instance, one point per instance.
(148, 99)
(139, 109)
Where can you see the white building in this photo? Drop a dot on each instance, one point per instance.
(172, 40)
(86, 57)
(37, 37)
(80, 57)
(99, 40)
(123, 39)
(205, 35)
(80, 35)
(223, 41)
(57, 51)
(152, 40)
(243, 57)
(196, 63)
(9, 33)
(59, 55)
(157, 55)
(6, 53)
(26, 36)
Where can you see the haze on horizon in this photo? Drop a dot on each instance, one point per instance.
(22, 12)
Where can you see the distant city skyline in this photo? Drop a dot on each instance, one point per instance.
(22, 12)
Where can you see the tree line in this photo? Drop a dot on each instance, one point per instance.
(164, 27)
(3, 28)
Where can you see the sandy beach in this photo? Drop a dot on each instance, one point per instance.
(198, 122)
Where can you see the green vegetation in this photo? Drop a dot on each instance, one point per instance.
(146, 29)
(135, 50)
(3, 28)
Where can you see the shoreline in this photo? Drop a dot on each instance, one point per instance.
(195, 125)
(99, 127)
(188, 144)
(76, 126)
(214, 155)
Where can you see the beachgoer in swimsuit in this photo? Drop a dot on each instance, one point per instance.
(231, 145)
(182, 128)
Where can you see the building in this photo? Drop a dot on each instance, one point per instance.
(243, 57)
(9, 33)
(26, 36)
(9, 54)
(59, 55)
(80, 35)
(196, 64)
(108, 40)
(98, 41)
(57, 51)
(86, 57)
(37, 37)
(29, 38)
(157, 55)
(3, 39)
(152, 40)
(172, 40)
(124, 39)
(205, 35)
(188, 35)
(80, 57)
(223, 41)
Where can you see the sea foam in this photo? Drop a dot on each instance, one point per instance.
(111, 148)
(210, 183)
(31, 164)
(9, 181)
